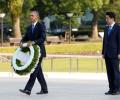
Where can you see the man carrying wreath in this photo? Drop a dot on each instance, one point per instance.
(36, 34)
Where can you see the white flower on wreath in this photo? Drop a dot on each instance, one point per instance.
(25, 58)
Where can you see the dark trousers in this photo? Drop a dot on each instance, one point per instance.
(113, 74)
(39, 75)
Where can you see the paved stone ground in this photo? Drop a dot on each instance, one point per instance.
(59, 89)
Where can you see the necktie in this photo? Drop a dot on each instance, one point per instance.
(109, 30)
(32, 28)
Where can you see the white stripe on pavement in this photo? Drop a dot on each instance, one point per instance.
(63, 75)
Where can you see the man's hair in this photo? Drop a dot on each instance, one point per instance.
(35, 10)
(111, 14)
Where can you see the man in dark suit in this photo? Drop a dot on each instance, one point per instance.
(36, 34)
(111, 53)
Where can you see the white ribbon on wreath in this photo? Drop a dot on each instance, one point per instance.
(25, 58)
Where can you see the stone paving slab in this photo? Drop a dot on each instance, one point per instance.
(59, 89)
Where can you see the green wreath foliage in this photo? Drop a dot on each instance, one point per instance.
(33, 63)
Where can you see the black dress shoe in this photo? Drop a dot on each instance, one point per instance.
(42, 92)
(25, 91)
(116, 93)
(108, 93)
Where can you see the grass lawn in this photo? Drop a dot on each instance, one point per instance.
(78, 48)
(5, 67)
(64, 65)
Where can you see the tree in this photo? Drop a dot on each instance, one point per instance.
(95, 6)
(2, 4)
(27, 5)
(114, 6)
(59, 8)
(15, 8)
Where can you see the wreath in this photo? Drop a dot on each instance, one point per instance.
(25, 59)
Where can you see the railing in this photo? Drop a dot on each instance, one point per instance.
(99, 60)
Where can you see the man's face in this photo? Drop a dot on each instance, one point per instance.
(109, 20)
(33, 16)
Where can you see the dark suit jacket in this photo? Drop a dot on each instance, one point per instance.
(111, 43)
(38, 36)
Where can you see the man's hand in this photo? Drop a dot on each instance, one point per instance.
(119, 56)
(24, 45)
(21, 45)
(29, 43)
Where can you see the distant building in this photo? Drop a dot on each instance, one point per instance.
(47, 22)
(88, 16)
